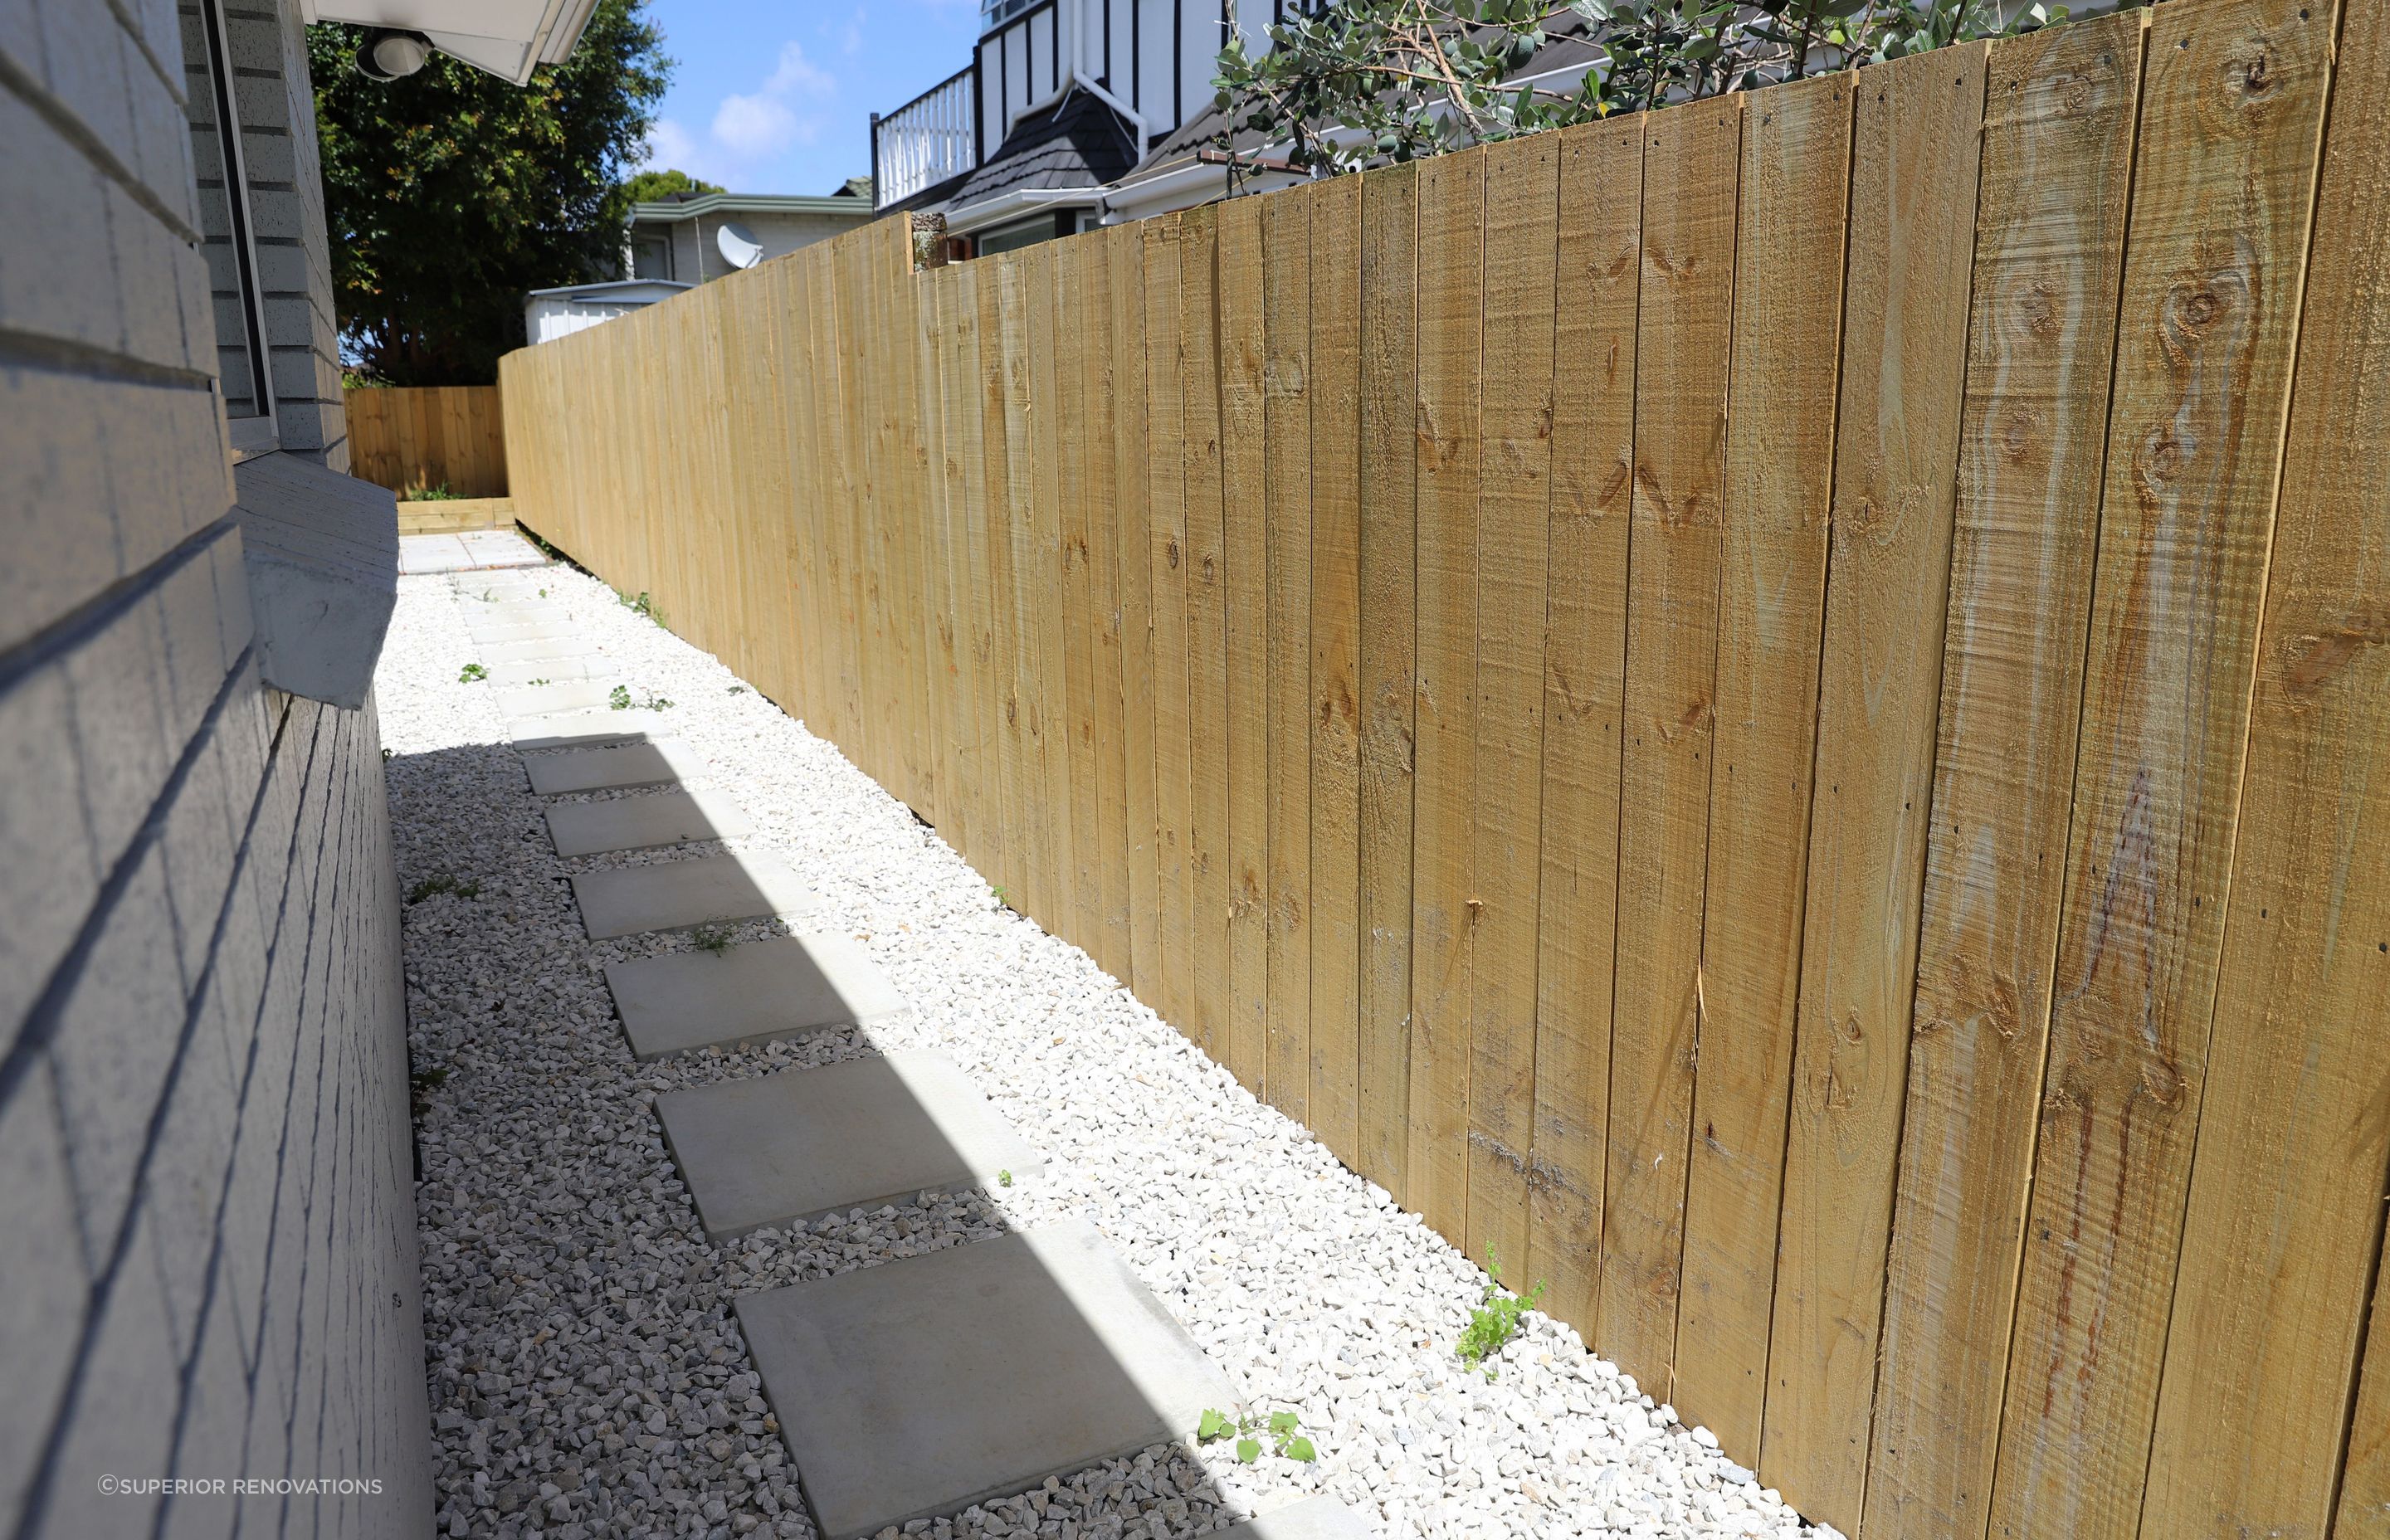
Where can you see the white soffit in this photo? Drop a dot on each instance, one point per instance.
(508, 38)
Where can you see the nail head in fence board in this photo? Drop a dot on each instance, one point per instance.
(1286, 484)
(2232, 102)
(1207, 646)
(1389, 474)
(1132, 548)
(1779, 472)
(1513, 516)
(1245, 591)
(1451, 382)
(1690, 169)
(1905, 298)
(1597, 272)
(1164, 247)
(1335, 878)
(1074, 738)
(2286, 1194)
(2049, 251)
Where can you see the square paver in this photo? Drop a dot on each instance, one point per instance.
(549, 671)
(781, 1147)
(494, 653)
(644, 823)
(783, 987)
(581, 729)
(656, 763)
(916, 1388)
(522, 631)
(1311, 1519)
(676, 895)
(544, 700)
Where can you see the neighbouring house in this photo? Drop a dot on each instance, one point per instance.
(690, 237)
(1075, 114)
(549, 314)
(205, 1157)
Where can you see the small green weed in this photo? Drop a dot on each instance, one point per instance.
(738, 689)
(1004, 1178)
(1494, 1323)
(1281, 1428)
(445, 882)
(542, 681)
(714, 937)
(1001, 902)
(432, 494)
(620, 698)
(640, 604)
(422, 1085)
(474, 673)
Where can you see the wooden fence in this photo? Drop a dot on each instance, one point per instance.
(409, 440)
(1778, 712)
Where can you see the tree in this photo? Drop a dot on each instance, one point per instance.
(1362, 82)
(450, 193)
(649, 186)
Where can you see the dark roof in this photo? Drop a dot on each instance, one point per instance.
(1565, 45)
(1078, 142)
(854, 187)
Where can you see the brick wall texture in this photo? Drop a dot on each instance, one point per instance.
(205, 1186)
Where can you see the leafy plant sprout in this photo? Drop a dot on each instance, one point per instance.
(714, 936)
(474, 674)
(1004, 1178)
(1494, 1323)
(640, 604)
(1283, 1431)
(445, 882)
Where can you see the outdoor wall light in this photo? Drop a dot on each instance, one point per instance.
(390, 54)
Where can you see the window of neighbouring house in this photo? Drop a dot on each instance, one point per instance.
(242, 368)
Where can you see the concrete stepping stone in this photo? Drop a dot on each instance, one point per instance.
(496, 653)
(784, 987)
(547, 699)
(549, 671)
(524, 631)
(917, 1388)
(656, 762)
(676, 895)
(482, 618)
(583, 729)
(643, 823)
(1311, 1519)
(782, 1148)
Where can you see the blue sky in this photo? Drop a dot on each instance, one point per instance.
(776, 95)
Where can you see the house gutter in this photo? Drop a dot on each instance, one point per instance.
(1005, 207)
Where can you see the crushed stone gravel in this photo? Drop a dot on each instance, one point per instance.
(588, 1376)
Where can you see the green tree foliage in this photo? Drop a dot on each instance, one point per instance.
(451, 192)
(1362, 82)
(649, 186)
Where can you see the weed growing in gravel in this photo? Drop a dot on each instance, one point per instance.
(445, 882)
(738, 689)
(422, 1084)
(1001, 902)
(474, 673)
(641, 605)
(1280, 1428)
(712, 937)
(1004, 1178)
(542, 681)
(620, 698)
(1496, 1321)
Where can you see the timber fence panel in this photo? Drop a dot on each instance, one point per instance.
(413, 438)
(1769, 712)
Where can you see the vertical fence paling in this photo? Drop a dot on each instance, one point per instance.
(1561, 666)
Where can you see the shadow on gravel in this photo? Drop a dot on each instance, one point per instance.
(912, 1381)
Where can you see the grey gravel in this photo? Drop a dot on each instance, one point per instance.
(586, 1376)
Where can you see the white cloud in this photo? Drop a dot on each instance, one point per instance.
(669, 145)
(750, 129)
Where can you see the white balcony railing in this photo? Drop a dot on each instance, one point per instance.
(925, 141)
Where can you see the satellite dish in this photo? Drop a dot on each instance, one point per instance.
(739, 249)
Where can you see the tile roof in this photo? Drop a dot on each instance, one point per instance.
(1079, 142)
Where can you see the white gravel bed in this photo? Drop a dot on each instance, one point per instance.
(587, 1377)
